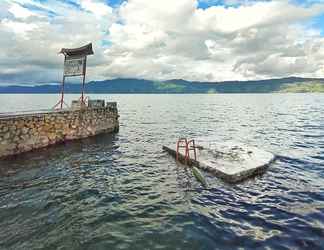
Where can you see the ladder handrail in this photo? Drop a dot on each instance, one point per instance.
(189, 148)
(181, 140)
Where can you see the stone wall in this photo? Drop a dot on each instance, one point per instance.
(25, 132)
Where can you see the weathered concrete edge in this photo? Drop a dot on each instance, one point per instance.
(235, 178)
(93, 121)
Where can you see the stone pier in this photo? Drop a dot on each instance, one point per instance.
(22, 132)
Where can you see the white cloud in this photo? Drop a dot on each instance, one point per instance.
(19, 28)
(19, 12)
(98, 8)
(161, 39)
(32, 44)
(217, 43)
(259, 14)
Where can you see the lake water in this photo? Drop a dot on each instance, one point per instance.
(122, 191)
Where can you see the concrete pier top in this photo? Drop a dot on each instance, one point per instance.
(4, 115)
(30, 112)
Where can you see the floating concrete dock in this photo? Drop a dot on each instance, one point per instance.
(25, 131)
(232, 162)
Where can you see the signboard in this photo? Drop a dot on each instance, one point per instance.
(74, 67)
(75, 61)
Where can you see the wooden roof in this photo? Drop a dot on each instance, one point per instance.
(82, 51)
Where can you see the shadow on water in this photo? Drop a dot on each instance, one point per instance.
(40, 168)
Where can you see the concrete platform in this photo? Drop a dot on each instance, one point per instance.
(233, 162)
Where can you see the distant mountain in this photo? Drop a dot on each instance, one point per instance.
(289, 84)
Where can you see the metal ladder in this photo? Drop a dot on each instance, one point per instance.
(189, 145)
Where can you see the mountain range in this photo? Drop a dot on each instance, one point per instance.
(281, 85)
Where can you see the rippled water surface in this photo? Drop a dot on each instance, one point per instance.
(122, 191)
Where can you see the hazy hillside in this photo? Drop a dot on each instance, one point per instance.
(306, 87)
(284, 85)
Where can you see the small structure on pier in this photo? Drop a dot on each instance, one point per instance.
(75, 64)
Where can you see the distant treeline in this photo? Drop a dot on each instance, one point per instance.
(290, 84)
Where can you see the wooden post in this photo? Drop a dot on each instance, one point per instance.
(62, 92)
(83, 80)
(61, 101)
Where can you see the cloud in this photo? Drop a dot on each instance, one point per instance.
(19, 28)
(19, 12)
(97, 8)
(251, 41)
(162, 39)
(30, 44)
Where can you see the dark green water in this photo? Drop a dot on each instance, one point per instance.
(123, 192)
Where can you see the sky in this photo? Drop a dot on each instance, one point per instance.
(200, 40)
